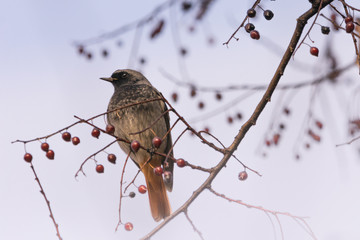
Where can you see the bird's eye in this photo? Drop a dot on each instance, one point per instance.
(123, 75)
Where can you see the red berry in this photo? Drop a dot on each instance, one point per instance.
(333, 17)
(95, 133)
(142, 189)
(349, 19)
(50, 154)
(319, 124)
(28, 157)
(207, 129)
(158, 171)
(276, 138)
(132, 194)
(251, 13)
(287, 111)
(268, 143)
(230, 120)
(314, 136)
(45, 147)
(349, 27)
(66, 136)
(243, 175)
(99, 168)
(174, 97)
(201, 105)
(129, 226)
(218, 96)
(75, 140)
(80, 49)
(314, 51)
(135, 145)
(255, 35)
(193, 92)
(110, 129)
(156, 142)
(112, 158)
(180, 162)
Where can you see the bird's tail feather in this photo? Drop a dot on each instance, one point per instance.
(159, 202)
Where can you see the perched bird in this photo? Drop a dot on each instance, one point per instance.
(143, 122)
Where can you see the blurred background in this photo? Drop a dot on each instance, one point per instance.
(46, 81)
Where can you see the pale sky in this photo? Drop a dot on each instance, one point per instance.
(45, 83)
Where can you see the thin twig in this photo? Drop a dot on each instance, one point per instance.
(152, 124)
(87, 120)
(121, 193)
(47, 202)
(92, 155)
(326, 77)
(313, 23)
(281, 230)
(193, 225)
(132, 181)
(349, 142)
(193, 130)
(353, 8)
(127, 27)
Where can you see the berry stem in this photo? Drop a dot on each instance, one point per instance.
(92, 155)
(241, 25)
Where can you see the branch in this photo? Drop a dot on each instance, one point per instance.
(326, 77)
(301, 22)
(193, 225)
(47, 202)
(125, 28)
(268, 211)
(121, 192)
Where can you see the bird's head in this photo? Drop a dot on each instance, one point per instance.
(126, 77)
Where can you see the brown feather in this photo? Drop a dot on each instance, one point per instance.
(159, 202)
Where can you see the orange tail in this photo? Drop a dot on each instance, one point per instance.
(159, 202)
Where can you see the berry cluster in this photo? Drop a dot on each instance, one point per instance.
(66, 136)
(250, 28)
(89, 55)
(349, 24)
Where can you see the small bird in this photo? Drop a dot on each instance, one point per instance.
(130, 124)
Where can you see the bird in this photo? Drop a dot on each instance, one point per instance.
(142, 122)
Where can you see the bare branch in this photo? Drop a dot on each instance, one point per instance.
(47, 202)
(193, 225)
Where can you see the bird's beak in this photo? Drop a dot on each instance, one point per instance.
(109, 79)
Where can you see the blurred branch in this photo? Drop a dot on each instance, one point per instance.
(326, 77)
(128, 27)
